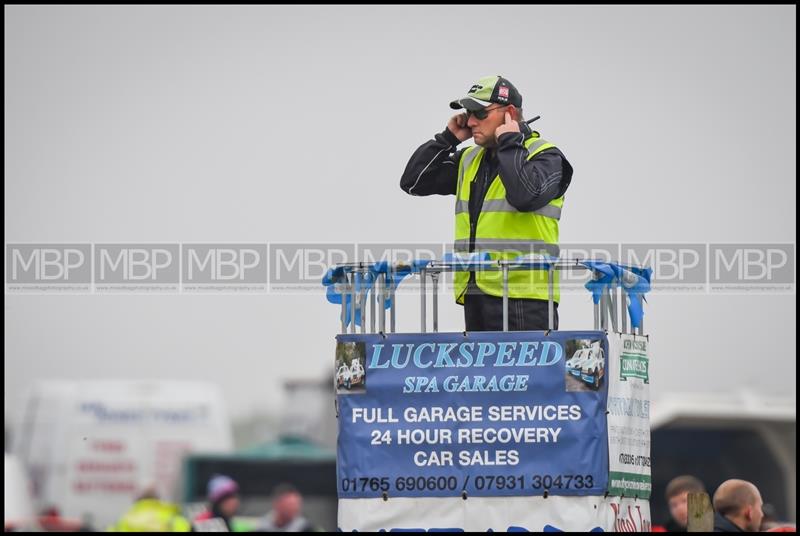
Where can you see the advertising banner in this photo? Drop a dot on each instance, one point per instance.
(472, 415)
(629, 416)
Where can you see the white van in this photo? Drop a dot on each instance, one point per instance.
(91, 446)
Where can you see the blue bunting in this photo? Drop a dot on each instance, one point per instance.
(635, 281)
(335, 279)
(604, 276)
(400, 272)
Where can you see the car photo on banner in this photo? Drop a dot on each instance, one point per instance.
(350, 375)
(585, 369)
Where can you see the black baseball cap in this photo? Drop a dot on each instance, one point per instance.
(489, 90)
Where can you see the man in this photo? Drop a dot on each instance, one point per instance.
(286, 514)
(677, 494)
(737, 505)
(509, 192)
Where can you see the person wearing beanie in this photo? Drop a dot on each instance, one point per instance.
(223, 500)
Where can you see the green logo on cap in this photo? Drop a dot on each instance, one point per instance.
(483, 88)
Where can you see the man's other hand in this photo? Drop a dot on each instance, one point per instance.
(458, 126)
(509, 126)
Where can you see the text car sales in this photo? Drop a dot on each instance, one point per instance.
(444, 458)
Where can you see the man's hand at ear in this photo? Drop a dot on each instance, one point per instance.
(509, 126)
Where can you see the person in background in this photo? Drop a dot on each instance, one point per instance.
(737, 506)
(676, 495)
(150, 514)
(770, 518)
(286, 514)
(772, 522)
(223, 504)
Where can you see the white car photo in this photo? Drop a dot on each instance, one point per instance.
(344, 377)
(593, 367)
(575, 362)
(357, 372)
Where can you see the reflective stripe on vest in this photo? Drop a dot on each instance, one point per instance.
(520, 247)
(502, 205)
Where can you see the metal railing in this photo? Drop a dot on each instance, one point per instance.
(609, 309)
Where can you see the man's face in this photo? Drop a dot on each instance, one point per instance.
(678, 508)
(287, 507)
(756, 514)
(483, 129)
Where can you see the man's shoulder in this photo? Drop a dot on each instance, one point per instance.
(723, 524)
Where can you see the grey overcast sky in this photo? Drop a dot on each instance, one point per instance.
(260, 123)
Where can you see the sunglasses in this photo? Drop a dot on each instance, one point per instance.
(484, 113)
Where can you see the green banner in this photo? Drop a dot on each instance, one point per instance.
(629, 484)
(634, 366)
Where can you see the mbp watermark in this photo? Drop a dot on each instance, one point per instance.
(677, 268)
(404, 254)
(301, 266)
(748, 268)
(138, 268)
(573, 281)
(48, 268)
(236, 268)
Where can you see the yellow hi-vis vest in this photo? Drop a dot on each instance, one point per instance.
(505, 232)
(152, 515)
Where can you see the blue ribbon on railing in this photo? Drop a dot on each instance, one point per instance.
(604, 275)
(635, 281)
(396, 274)
(335, 279)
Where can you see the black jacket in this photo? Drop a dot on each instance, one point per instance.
(672, 526)
(723, 524)
(530, 184)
